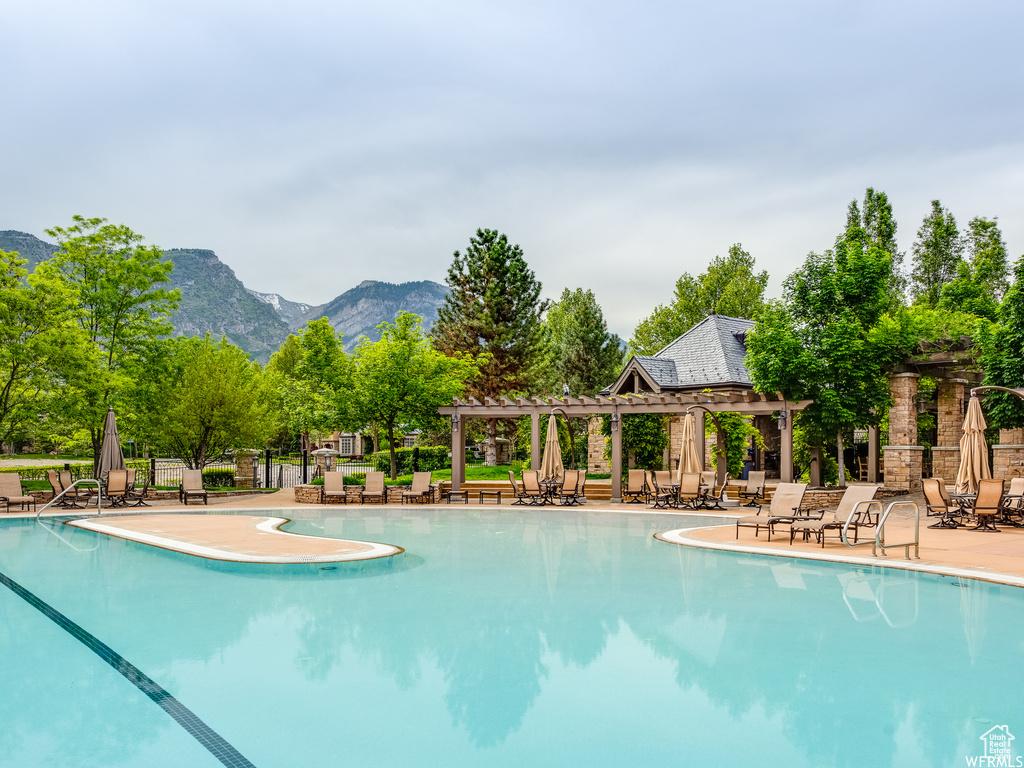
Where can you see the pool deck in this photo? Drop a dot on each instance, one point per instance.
(997, 557)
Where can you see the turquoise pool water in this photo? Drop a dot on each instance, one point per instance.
(502, 638)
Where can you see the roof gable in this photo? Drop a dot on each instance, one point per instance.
(710, 353)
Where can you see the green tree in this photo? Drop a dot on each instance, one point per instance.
(1002, 355)
(875, 220)
(121, 308)
(729, 286)
(40, 343)
(937, 251)
(987, 254)
(401, 380)
(584, 355)
(214, 399)
(826, 339)
(493, 308)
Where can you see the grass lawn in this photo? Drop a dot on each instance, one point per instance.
(60, 458)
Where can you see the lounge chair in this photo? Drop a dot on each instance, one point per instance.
(1013, 503)
(531, 487)
(421, 490)
(192, 486)
(333, 488)
(689, 490)
(136, 494)
(567, 491)
(11, 492)
(938, 504)
(855, 507)
(116, 491)
(754, 489)
(373, 487)
(636, 490)
(988, 504)
(785, 507)
(662, 496)
(519, 495)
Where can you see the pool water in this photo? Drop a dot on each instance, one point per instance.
(501, 638)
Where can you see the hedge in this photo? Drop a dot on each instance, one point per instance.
(430, 459)
(218, 478)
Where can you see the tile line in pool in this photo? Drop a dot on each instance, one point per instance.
(204, 734)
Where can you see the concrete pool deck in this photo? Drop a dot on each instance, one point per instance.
(978, 554)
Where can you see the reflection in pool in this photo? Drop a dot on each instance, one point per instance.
(505, 638)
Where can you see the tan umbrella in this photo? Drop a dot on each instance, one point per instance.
(110, 450)
(973, 450)
(551, 464)
(689, 458)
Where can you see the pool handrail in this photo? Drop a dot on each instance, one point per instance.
(99, 495)
(880, 532)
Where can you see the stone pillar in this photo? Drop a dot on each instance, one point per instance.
(596, 462)
(243, 468)
(1008, 456)
(902, 456)
(616, 458)
(950, 428)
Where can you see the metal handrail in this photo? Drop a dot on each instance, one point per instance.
(879, 541)
(854, 519)
(99, 495)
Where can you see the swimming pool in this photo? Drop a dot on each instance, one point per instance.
(506, 638)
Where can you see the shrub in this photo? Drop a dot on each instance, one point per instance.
(218, 478)
(430, 459)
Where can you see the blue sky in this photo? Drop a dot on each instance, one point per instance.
(314, 145)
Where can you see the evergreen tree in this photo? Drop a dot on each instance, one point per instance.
(729, 286)
(584, 355)
(987, 253)
(493, 308)
(1002, 355)
(938, 252)
(876, 222)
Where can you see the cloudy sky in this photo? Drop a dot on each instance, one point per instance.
(314, 145)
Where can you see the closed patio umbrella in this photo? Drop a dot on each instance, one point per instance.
(110, 450)
(689, 458)
(973, 450)
(551, 464)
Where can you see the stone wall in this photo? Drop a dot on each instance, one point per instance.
(596, 462)
(903, 458)
(1008, 460)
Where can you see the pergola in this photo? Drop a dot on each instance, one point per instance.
(735, 400)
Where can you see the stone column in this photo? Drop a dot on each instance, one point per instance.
(596, 462)
(902, 456)
(950, 428)
(1008, 456)
(243, 468)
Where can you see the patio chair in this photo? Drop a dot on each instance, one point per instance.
(689, 495)
(567, 491)
(636, 490)
(138, 495)
(116, 491)
(421, 490)
(11, 492)
(532, 492)
(938, 504)
(519, 495)
(373, 487)
(754, 488)
(581, 485)
(1013, 504)
(192, 486)
(662, 496)
(708, 481)
(987, 504)
(785, 507)
(856, 507)
(62, 482)
(333, 488)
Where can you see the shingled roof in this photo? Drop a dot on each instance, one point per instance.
(708, 355)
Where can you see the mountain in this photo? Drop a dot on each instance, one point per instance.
(357, 312)
(289, 311)
(213, 299)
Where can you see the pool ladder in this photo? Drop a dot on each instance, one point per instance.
(879, 542)
(99, 495)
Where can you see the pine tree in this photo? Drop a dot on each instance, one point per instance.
(584, 355)
(493, 307)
